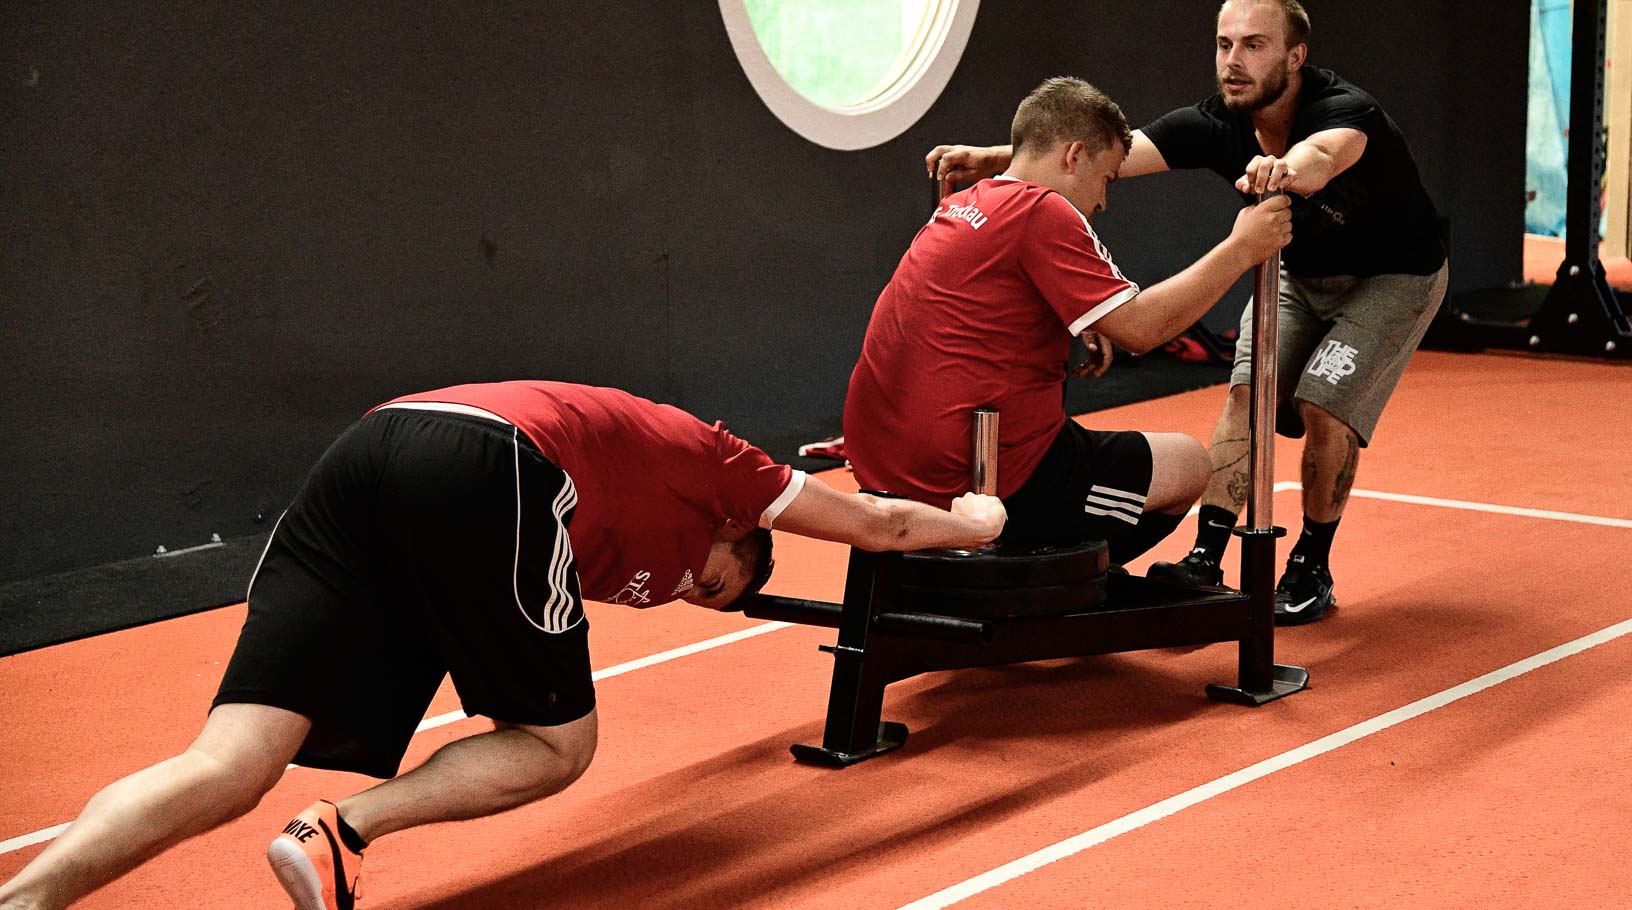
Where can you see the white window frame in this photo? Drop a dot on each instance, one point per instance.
(908, 91)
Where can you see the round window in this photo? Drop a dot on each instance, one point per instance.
(849, 74)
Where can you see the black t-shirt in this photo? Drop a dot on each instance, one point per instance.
(1374, 218)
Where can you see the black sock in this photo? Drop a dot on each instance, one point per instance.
(1213, 527)
(349, 836)
(1153, 527)
(1315, 543)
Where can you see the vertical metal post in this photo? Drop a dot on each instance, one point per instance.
(1261, 416)
(1261, 679)
(983, 464)
(938, 189)
(1582, 313)
(1585, 160)
(855, 701)
(1257, 656)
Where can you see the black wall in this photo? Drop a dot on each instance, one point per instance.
(230, 228)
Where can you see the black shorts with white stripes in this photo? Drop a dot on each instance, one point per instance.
(1090, 484)
(423, 544)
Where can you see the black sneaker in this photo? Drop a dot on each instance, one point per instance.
(1195, 569)
(1304, 594)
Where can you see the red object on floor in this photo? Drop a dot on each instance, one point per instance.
(831, 447)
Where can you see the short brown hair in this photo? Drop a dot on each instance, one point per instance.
(754, 551)
(1064, 109)
(1297, 21)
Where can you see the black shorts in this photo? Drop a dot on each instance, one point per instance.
(1089, 485)
(422, 544)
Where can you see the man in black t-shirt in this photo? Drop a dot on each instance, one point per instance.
(1360, 281)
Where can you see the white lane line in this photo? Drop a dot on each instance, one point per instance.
(29, 840)
(946, 897)
(1464, 504)
(636, 664)
(1500, 510)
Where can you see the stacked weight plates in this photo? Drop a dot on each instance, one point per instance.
(1007, 581)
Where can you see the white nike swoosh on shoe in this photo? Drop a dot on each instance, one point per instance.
(1300, 607)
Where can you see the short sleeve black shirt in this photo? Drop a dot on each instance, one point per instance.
(1374, 218)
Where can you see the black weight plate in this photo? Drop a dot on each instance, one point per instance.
(1016, 603)
(1006, 566)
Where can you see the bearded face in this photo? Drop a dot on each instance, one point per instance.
(1253, 62)
(1245, 92)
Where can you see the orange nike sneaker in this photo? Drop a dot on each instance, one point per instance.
(311, 863)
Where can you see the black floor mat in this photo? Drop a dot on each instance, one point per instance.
(36, 612)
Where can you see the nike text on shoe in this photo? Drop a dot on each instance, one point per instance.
(1304, 594)
(317, 871)
(1195, 569)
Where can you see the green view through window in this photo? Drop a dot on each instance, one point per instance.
(838, 53)
(848, 74)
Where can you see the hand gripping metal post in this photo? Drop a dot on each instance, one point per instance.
(1262, 680)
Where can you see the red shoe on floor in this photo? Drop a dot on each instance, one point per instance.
(831, 447)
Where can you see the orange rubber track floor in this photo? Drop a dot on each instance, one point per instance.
(1464, 741)
(1543, 256)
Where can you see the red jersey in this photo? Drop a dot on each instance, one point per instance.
(981, 312)
(654, 483)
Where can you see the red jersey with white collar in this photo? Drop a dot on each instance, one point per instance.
(981, 312)
(653, 483)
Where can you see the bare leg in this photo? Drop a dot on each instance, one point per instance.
(1226, 472)
(1227, 488)
(1178, 473)
(240, 754)
(1331, 454)
(479, 775)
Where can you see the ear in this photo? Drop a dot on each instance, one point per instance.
(1296, 56)
(734, 530)
(1072, 150)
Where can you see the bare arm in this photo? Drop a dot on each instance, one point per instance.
(1144, 158)
(1164, 310)
(872, 523)
(964, 163)
(1307, 167)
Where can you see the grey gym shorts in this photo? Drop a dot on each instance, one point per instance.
(1344, 343)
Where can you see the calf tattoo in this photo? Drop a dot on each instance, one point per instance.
(1237, 481)
(1345, 474)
